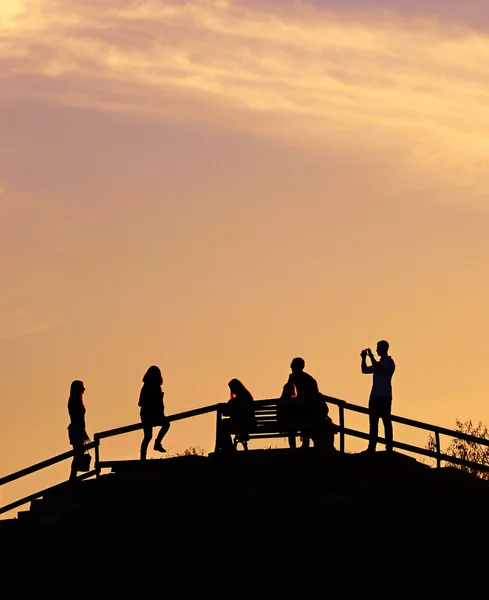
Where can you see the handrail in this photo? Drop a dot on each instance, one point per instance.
(94, 444)
(436, 454)
(423, 451)
(36, 495)
(43, 464)
(176, 417)
(410, 422)
(342, 404)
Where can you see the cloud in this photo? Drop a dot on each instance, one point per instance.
(371, 80)
(22, 326)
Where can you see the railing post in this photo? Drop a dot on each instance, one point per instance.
(438, 450)
(218, 426)
(97, 455)
(342, 427)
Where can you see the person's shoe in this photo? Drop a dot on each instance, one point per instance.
(159, 448)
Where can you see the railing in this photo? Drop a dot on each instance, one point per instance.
(39, 467)
(343, 431)
(98, 464)
(129, 428)
(437, 431)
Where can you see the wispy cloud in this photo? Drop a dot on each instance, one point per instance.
(23, 325)
(371, 80)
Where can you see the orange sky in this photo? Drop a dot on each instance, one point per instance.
(216, 187)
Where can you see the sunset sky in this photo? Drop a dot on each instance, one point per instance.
(217, 186)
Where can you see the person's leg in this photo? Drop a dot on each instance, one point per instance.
(225, 442)
(373, 419)
(161, 434)
(386, 419)
(148, 434)
(293, 423)
(307, 421)
(78, 449)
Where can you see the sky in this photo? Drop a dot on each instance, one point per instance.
(218, 186)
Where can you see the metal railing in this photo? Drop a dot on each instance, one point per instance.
(95, 444)
(343, 431)
(437, 431)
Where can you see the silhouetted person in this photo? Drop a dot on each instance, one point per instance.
(307, 391)
(320, 426)
(239, 409)
(288, 414)
(152, 410)
(380, 402)
(76, 429)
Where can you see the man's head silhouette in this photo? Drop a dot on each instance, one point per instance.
(382, 348)
(297, 364)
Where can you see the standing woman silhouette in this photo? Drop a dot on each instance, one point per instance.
(76, 429)
(152, 410)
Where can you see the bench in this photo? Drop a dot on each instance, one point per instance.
(267, 424)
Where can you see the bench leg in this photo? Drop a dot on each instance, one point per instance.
(292, 441)
(238, 440)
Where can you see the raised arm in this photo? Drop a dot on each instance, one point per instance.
(365, 368)
(377, 365)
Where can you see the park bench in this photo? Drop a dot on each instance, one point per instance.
(267, 425)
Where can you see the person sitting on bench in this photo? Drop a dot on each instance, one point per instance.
(288, 413)
(239, 409)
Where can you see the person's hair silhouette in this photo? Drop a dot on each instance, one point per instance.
(238, 390)
(152, 411)
(288, 391)
(77, 429)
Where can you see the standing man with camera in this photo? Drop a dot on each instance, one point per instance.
(380, 402)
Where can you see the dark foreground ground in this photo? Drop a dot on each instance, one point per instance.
(266, 523)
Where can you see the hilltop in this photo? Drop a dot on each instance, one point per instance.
(281, 509)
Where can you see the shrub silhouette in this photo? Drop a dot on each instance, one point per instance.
(467, 450)
(192, 451)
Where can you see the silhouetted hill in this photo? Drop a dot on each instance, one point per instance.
(266, 513)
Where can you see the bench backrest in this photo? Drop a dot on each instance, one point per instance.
(265, 412)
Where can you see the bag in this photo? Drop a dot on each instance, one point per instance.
(83, 462)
